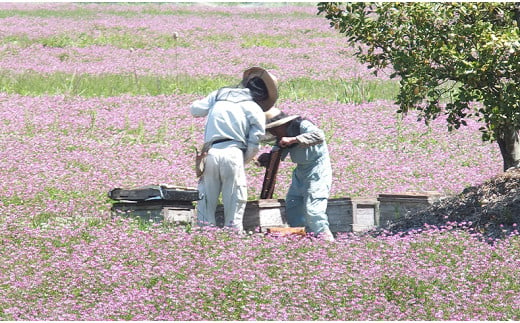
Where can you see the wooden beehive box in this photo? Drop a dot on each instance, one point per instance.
(259, 214)
(157, 211)
(394, 206)
(352, 214)
(156, 203)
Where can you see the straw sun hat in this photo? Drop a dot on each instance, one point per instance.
(270, 82)
(275, 117)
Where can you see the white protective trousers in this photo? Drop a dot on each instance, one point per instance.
(224, 172)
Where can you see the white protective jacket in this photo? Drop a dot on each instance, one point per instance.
(232, 114)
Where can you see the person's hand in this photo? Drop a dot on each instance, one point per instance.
(287, 141)
(263, 159)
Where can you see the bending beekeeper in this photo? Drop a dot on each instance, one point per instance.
(307, 197)
(235, 123)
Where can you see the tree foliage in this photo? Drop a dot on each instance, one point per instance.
(446, 55)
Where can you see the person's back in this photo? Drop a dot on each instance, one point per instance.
(233, 115)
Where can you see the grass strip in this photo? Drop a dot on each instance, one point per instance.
(108, 85)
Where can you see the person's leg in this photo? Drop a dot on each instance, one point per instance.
(294, 211)
(294, 205)
(209, 189)
(316, 216)
(234, 187)
(316, 199)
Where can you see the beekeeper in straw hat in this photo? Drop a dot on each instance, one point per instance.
(234, 125)
(306, 200)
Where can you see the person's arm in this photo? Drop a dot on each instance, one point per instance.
(310, 138)
(200, 108)
(256, 133)
(310, 135)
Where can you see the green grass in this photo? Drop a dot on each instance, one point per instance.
(264, 40)
(339, 90)
(108, 37)
(107, 85)
(157, 9)
(139, 39)
(48, 13)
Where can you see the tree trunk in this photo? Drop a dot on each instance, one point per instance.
(517, 14)
(509, 143)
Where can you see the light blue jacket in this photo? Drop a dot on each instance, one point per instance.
(313, 173)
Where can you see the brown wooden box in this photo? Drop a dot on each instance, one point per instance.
(281, 231)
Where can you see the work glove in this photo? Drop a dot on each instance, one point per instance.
(263, 159)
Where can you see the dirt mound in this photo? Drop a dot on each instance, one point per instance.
(492, 208)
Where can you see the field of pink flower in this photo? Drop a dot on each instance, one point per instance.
(63, 257)
(210, 40)
(114, 272)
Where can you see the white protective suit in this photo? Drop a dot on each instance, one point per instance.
(233, 115)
